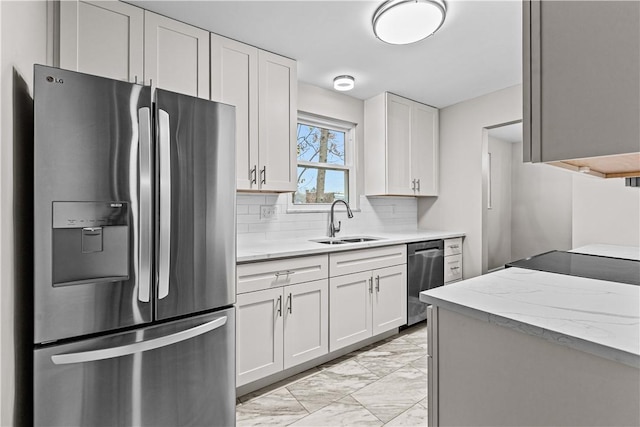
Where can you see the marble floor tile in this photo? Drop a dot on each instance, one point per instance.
(275, 386)
(331, 384)
(414, 416)
(390, 356)
(393, 394)
(344, 412)
(420, 364)
(424, 403)
(279, 408)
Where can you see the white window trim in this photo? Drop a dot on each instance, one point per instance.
(350, 163)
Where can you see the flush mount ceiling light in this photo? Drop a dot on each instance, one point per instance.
(344, 83)
(408, 21)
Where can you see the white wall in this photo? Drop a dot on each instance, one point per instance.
(499, 216)
(459, 206)
(23, 37)
(542, 207)
(605, 211)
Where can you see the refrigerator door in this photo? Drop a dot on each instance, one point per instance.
(196, 250)
(180, 373)
(93, 204)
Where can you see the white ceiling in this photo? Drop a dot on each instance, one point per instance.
(477, 51)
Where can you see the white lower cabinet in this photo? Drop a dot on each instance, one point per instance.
(452, 260)
(279, 328)
(366, 303)
(259, 335)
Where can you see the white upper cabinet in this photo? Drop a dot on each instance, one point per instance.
(263, 87)
(234, 80)
(119, 41)
(176, 56)
(103, 38)
(401, 147)
(277, 103)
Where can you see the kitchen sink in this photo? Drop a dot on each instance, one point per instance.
(343, 240)
(329, 241)
(359, 239)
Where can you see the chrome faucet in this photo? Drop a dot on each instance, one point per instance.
(332, 228)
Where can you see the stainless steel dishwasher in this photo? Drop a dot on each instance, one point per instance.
(425, 270)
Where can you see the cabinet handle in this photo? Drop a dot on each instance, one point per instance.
(279, 310)
(263, 175)
(413, 185)
(418, 181)
(290, 303)
(370, 285)
(283, 273)
(377, 283)
(253, 178)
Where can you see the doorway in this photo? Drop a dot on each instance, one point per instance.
(527, 207)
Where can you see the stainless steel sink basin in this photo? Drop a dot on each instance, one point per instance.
(343, 240)
(359, 239)
(329, 241)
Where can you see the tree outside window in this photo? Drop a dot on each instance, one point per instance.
(323, 166)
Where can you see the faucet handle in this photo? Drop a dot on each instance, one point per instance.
(337, 229)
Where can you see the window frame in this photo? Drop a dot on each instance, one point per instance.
(350, 154)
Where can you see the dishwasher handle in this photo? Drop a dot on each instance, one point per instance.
(414, 248)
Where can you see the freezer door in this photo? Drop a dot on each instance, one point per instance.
(180, 373)
(93, 204)
(196, 249)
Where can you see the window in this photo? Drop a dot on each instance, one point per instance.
(325, 161)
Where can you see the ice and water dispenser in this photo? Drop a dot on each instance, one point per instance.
(90, 242)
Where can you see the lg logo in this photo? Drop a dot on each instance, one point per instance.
(54, 80)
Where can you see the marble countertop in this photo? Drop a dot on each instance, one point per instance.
(596, 316)
(270, 249)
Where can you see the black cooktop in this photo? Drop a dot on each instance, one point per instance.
(583, 265)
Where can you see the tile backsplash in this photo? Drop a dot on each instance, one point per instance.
(265, 217)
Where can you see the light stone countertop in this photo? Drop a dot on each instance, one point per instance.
(271, 249)
(595, 316)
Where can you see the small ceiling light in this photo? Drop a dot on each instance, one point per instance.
(408, 21)
(344, 83)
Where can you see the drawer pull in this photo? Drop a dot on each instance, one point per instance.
(454, 246)
(284, 273)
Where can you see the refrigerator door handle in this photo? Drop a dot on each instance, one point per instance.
(164, 252)
(138, 347)
(146, 202)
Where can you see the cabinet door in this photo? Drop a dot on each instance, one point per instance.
(258, 335)
(104, 38)
(176, 56)
(584, 84)
(234, 80)
(306, 322)
(424, 149)
(277, 157)
(399, 175)
(349, 309)
(389, 298)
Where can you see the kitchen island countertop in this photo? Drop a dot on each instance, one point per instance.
(595, 316)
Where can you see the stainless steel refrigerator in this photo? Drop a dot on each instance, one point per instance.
(134, 232)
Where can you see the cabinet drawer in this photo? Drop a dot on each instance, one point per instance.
(366, 259)
(452, 268)
(272, 274)
(453, 246)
